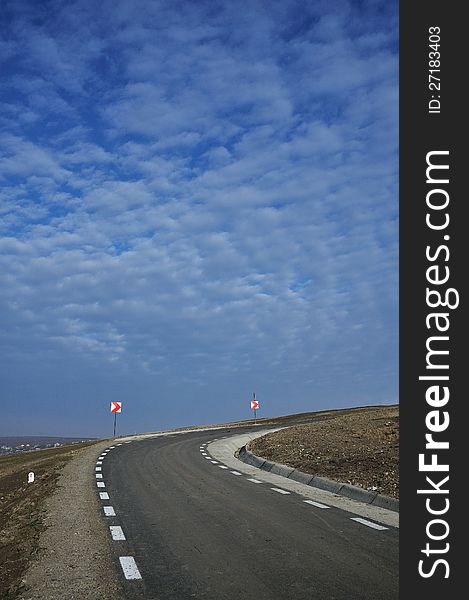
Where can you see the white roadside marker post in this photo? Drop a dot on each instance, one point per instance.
(30, 477)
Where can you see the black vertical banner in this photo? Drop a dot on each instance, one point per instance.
(432, 298)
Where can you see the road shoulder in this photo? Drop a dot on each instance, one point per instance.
(224, 450)
(74, 560)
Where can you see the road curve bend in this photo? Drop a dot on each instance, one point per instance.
(185, 525)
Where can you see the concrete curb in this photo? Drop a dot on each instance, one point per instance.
(342, 489)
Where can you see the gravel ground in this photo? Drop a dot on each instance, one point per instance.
(74, 562)
(359, 446)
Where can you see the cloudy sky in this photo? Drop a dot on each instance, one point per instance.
(198, 201)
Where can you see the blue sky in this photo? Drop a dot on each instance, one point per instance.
(198, 201)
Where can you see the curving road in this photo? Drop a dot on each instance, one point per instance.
(196, 530)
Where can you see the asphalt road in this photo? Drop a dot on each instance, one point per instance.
(199, 531)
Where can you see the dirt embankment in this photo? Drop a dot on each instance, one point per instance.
(22, 510)
(358, 446)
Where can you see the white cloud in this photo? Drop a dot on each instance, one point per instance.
(201, 200)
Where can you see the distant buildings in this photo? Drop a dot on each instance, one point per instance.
(20, 444)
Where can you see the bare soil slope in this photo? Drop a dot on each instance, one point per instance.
(22, 509)
(358, 446)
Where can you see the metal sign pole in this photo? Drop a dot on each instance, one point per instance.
(116, 407)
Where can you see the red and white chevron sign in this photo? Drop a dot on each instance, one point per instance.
(116, 407)
(254, 404)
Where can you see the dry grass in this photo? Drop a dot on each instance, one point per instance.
(22, 508)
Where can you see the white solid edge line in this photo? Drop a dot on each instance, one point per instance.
(253, 480)
(100, 484)
(280, 491)
(109, 511)
(236, 473)
(369, 523)
(316, 504)
(129, 567)
(117, 533)
(104, 495)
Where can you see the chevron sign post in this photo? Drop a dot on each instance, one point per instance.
(116, 407)
(254, 405)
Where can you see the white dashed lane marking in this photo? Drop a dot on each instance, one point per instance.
(214, 462)
(236, 473)
(99, 475)
(98, 468)
(280, 491)
(254, 480)
(129, 567)
(104, 495)
(99, 462)
(117, 533)
(222, 467)
(316, 504)
(208, 457)
(369, 523)
(109, 511)
(100, 484)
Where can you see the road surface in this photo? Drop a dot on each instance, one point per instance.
(189, 528)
